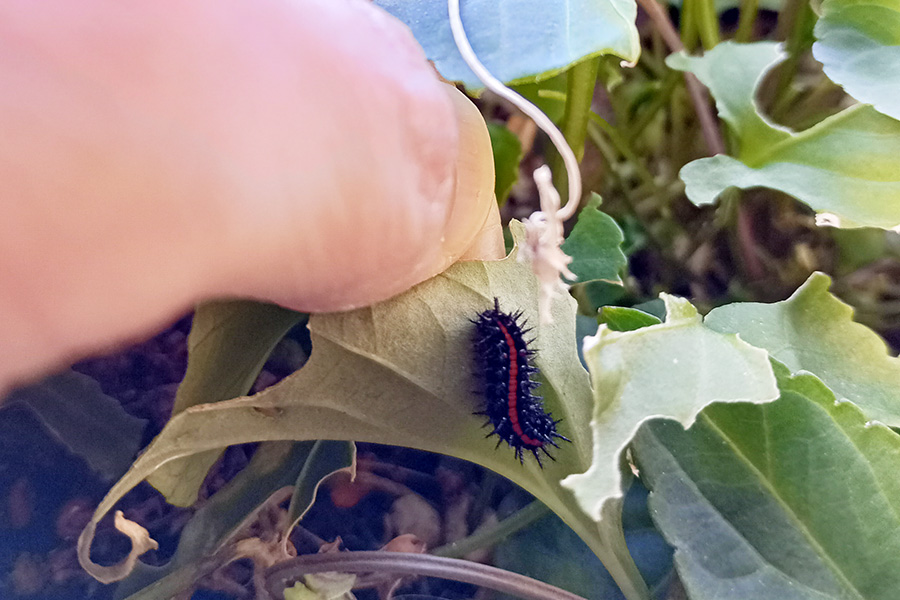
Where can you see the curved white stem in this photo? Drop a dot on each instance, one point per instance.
(532, 111)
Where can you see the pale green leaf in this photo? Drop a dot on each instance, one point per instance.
(846, 167)
(859, 48)
(814, 331)
(672, 370)
(521, 40)
(798, 499)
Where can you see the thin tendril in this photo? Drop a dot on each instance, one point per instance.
(532, 111)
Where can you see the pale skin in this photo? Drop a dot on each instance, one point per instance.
(161, 153)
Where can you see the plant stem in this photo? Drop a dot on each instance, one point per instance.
(697, 92)
(517, 521)
(286, 573)
(581, 80)
(689, 34)
(749, 11)
(708, 22)
(746, 241)
(711, 133)
(579, 95)
(794, 23)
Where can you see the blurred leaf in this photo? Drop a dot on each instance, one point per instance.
(797, 499)
(813, 331)
(399, 372)
(859, 48)
(229, 343)
(521, 40)
(85, 420)
(595, 245)
(847, 166)
(671, 370)
(507, 154)
(619, 318)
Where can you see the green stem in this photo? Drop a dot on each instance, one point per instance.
(795, 24)
(579, 95)
(490, 537)
(689, 33)
(708, 22)
(749, 11)
(614, 555)
(581, 81)
(286, 573)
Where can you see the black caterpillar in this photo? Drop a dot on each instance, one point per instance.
(503, 366)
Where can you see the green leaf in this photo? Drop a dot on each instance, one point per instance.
(595, 245)
(85, 420)
(859, 48)
(797, 499)
(507, 151)
(229, 343)
(846, 167)
(400, 372)
(521, 40)
(674, 370)
(813, 331)
(619, 318)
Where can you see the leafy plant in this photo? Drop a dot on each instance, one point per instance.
(762, 430)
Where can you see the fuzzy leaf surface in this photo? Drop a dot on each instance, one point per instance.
(813, 331)
(846, 166)
(521, 40)
(793, 500)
